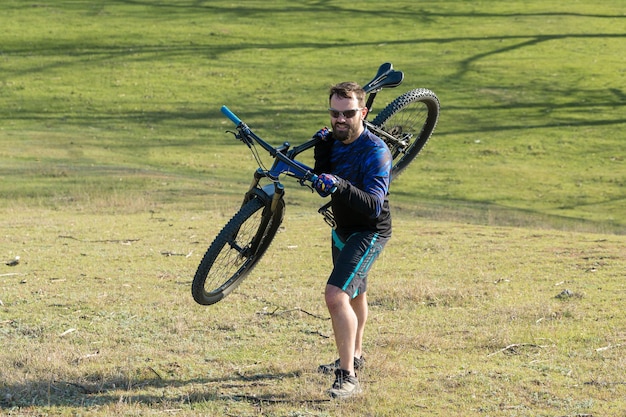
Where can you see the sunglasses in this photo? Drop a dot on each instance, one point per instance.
(348, 114)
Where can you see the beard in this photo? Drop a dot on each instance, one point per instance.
(345, 133)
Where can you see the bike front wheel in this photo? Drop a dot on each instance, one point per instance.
(236, 250)
(407, 124)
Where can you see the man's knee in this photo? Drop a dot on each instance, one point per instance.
(335, 297)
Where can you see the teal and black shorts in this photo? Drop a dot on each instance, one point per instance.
(353, 257)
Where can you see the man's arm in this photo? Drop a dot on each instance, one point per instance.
(369, 200)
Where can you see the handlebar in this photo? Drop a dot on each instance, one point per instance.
(285, 163)
(232, 116)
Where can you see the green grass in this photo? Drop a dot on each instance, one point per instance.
(532, 97)
(116, 173)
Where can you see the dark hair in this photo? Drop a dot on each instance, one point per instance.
(346, 89)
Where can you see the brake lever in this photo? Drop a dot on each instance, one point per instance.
(306, 183)
(241, 137)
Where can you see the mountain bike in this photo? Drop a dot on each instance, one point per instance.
(405, 124)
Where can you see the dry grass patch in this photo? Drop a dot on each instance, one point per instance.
(98, 318)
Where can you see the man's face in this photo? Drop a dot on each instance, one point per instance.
(346, 129)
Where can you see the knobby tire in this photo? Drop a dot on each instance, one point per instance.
(236, 250)
(411, 117)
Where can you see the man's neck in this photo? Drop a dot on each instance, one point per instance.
(349, 141)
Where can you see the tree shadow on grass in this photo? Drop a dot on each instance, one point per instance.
(152, 390)
(85, 52)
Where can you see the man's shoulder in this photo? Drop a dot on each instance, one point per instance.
(373, 139)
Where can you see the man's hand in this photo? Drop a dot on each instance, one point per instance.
(322, 134)
(325, 184)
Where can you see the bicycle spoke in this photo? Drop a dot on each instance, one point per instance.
(407, 123)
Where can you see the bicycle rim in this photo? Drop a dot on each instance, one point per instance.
(235, 251)
(411, 118)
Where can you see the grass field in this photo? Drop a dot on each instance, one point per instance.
(500, 294)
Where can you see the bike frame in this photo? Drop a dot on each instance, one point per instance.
(284, 163)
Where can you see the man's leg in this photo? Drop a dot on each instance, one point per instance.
(352, 260)
(345, 325)
(359, 305)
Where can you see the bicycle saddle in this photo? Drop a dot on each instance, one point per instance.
(386, 77)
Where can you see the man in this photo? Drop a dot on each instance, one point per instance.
(353, 167)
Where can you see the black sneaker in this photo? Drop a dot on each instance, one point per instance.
(359, 363)
(345, 385)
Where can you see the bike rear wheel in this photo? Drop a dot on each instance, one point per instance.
(410, 119)
(236, 250)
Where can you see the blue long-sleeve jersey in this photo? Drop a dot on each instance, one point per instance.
(364, 169)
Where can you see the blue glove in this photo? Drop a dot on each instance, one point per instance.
(322, 134)
(325, 184)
